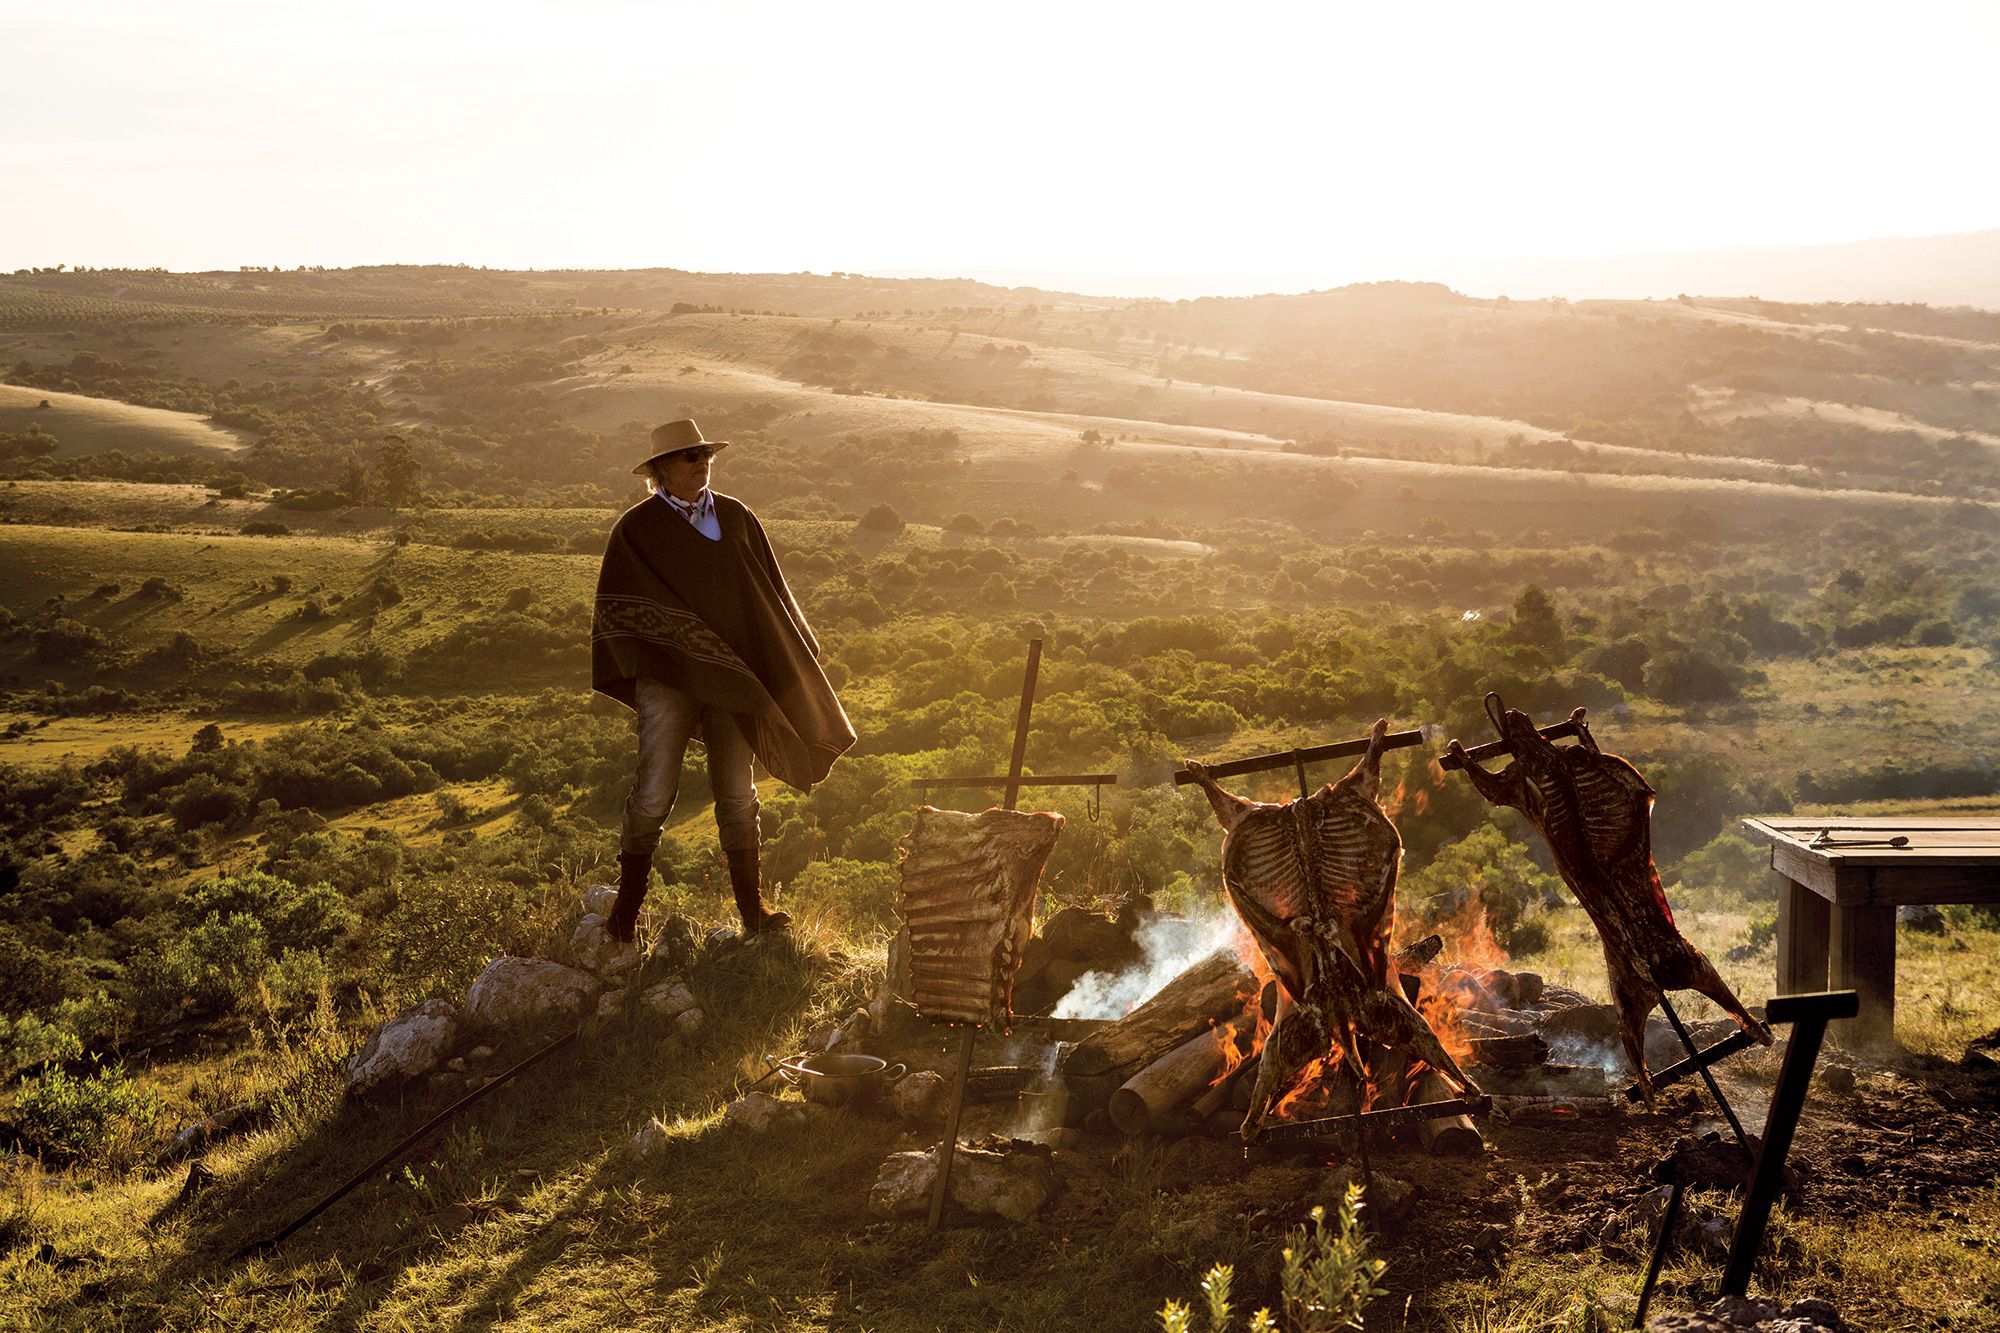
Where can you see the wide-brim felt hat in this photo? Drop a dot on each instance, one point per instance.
(674, 437)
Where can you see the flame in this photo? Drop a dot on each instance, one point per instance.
(1232, 1036)
(1446, 993)
(1309, 1093)
(1405, 800)
(1233, 1053)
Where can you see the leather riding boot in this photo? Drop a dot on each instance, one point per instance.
(635, 874)
(745, 878)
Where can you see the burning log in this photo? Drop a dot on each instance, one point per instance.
(1221, 1094)
(1211, 991)
(1158, 1091)
(1421, 954)
(1447, 1136)
(994, 1083)
(1510, 1052)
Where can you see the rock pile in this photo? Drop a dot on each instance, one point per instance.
(1005, 1178)
(1072, 944)
(520, 1002)
(1736, 1314)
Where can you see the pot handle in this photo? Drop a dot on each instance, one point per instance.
(894, 1072)
(790, 1072)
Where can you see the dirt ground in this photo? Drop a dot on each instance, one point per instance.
(1911, 1141)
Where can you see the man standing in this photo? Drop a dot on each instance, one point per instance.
(695, 630)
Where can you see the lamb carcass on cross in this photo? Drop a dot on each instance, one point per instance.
(1314, 880)
(1596, 813)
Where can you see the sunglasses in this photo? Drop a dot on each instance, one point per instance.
(697, 454)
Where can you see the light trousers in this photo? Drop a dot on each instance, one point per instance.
(667, 719)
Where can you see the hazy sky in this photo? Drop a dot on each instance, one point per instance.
(1244, 146)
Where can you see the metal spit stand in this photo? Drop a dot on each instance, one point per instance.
(1011, 783)
(1808, 1015)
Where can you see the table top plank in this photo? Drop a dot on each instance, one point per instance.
(1946, 860)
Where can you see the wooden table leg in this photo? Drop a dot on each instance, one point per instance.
(1862, 958)
(1803, 920)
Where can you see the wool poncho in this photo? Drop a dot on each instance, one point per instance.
(715, 618)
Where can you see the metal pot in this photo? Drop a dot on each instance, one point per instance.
(840, 1080)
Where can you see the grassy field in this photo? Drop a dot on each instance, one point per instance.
(1238, 527)
(95, 425)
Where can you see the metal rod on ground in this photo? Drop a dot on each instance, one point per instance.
(1738, 1040)
(1808, 1015)
(1714, 1089)
(262, 1246)
(1660, 1244)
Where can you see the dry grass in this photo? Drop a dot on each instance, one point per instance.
(87, 425)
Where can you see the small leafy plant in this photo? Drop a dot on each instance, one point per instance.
(1325, 1278)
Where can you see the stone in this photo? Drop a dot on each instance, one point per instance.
(1389, 1199)
(1085, 937)
(922, 1097)
(648, 1142)
(689, 1023)
(676, 944)
(1926, 918)
(760, 1112)
(206, 1133)
(1596, 1024)
(611, 1005)
(599, 899)
(720, 939)
(1012, 1185)
(592, 949)
(667, 1000)
(408, 1046)
(529, 997)
(1738, 1314)
(479, 1053)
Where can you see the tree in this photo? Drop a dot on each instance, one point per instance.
(1536, 620)
(398, 476)
(354, 481)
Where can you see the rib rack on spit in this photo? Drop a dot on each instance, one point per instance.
(1314, 880)
(1595, 811)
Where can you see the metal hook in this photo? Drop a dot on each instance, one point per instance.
(1096, 805)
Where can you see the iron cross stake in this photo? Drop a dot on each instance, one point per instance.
(1010, 783)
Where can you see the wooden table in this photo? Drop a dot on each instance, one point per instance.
(1837, 904)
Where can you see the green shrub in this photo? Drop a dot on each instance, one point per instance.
(210, 968)
(881, 518)
(1485, 870)
(862, 894)
(102, 1118)
(265, 527)
(292, 916)
(27, 1041)
(67, 642)
(1326, 1280)
(206, 799)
